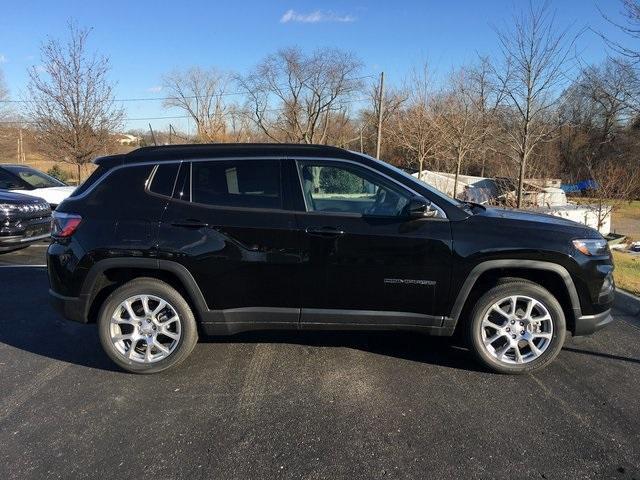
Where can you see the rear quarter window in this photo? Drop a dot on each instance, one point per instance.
(91, 180)
(123, 189)
(164, 179)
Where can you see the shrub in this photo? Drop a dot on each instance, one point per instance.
(57, 172)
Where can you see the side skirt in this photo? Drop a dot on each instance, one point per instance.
(231, 321)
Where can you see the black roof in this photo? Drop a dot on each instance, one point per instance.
(218, 150)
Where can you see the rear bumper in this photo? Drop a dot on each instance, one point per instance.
(588, 324)
(72, 308)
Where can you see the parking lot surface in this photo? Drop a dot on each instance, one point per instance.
(305, 405)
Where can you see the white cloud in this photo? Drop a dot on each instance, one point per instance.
(154, 89)
(3, 59)
(315, 17)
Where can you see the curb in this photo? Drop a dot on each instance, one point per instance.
(628, 303)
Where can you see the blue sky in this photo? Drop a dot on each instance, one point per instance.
(145, 39)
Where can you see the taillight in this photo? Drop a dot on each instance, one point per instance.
(64, 224)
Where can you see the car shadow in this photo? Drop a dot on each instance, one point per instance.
(440, 351)
(602, 355)
(30, 324)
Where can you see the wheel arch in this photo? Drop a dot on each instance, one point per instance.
(107, 275)
(552, 276)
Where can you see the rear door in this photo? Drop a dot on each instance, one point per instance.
(366, 261)
(227, 224)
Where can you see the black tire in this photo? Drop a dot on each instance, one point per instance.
(157, 288)
(508, 288)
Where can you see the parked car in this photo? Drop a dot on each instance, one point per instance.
(23, 220)
(163, 242)
(24, 179)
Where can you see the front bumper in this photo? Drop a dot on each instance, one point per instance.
(13, 242)
(588, 324)
(72, 308)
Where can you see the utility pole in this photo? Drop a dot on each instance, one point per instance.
(153, 136)
(380, 99)
(21, 154)
(169, 134)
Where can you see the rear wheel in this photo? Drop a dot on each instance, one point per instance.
(146, 326)
(517, 327)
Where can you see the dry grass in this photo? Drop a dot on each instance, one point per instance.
(627, 272)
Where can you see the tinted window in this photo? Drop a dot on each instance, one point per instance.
(124, 188)
(9, 182)
(183, 183)
(242, 183)
(337, 188)
(93, 178)
(164, 179)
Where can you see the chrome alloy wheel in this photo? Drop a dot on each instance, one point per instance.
(145, 328)
(517, 329)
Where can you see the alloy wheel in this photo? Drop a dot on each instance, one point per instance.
(517, 329)
(145, 328)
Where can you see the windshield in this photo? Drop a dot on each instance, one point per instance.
(34, 178)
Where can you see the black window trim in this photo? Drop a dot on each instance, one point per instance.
(442, 213)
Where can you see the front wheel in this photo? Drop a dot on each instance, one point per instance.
(146, 326)
(517, 327)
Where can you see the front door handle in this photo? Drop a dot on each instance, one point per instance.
(189, 223)
(324, 231)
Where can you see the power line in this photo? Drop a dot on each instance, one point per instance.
(176, 117)
(188, 97)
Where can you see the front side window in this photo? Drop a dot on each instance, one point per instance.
(237, 183)
(35, 178)
(343, 189)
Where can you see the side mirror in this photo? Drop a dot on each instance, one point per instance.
(420, 207)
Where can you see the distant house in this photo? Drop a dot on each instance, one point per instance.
(127, 139)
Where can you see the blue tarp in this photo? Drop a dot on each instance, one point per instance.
(580, 186)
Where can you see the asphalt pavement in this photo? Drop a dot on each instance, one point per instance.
(305, 405)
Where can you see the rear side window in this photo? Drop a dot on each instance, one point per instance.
(93, 178)
(164, 179)
(242, 183)
(124, 188)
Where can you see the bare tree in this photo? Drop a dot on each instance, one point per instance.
(412, 128)
(201, 94)
(458, 120)
(487, 94)
(535, 57)
(615, 184)
(630, 27)
(71, 101)
(294, 97)
(4, 96)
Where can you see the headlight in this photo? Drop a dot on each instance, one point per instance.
(9, 207)
(591, 247)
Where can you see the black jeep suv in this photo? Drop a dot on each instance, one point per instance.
(164, 241)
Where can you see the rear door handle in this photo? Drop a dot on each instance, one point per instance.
(324, 231)
(190, 224)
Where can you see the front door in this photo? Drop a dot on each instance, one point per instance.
(366, 261)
